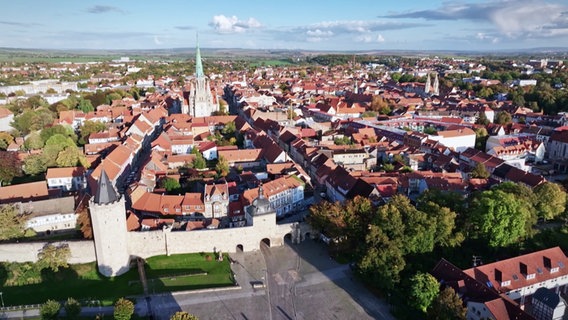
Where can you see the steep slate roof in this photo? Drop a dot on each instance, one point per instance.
(105, 191)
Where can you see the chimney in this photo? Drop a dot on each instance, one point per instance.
(523, 268)
(547, 262)
(498, 275)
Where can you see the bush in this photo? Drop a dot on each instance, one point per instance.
(123, 309)
(49, 310)
(72, 308)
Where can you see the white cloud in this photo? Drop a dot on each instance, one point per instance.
(319, 33)
(224, 24)
(157, 40)
(369, 38)
(512, 18)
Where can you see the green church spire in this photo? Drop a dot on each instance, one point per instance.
(198, 64)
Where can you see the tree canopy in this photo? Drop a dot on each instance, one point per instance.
(499, 218)
(447, 306)
(54, 257)
(550, 200)
(123, 309)
(13, 223)
(424, 290)
(50, 310)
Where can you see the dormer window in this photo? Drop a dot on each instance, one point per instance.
(530, 276)
(506, 283)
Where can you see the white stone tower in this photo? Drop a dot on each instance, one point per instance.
(108, 218)
(427, 85)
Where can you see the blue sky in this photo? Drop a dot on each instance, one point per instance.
(292, 24)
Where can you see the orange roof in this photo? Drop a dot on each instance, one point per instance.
(24, 192)
(64, 172)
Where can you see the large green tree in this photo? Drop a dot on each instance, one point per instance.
(550, 200)
(35, 164)
(447, 306)
(71, 157)
(498, 218)
(54, 257)
(34, 141)
(424, 289)
(13, 223)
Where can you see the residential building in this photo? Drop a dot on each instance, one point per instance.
(67, 179)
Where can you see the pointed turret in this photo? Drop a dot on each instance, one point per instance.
(198, 63)
(105, 192)
(427, 85)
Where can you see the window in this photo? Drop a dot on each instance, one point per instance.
(530, 276)
(553, 270)
(506, 283)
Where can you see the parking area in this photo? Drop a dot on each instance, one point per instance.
(298, 282)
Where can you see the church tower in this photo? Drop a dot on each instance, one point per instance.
(108, 218)
(201, 101)
(427, 85)
(436, 86)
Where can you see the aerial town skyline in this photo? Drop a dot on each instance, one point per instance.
(314, 25)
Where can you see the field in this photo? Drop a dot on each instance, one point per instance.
(22, 284)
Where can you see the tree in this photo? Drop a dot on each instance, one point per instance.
(84, 222)
(13, 223)
(222, 166)
(447, 306)
(481, 136)
(33, 141)
(550, 200)
(229, 128)
(199, 161)
(170, 184)
(424, 290)
(479, 171)
(88, 128)
(71, 157)
(85, 105)
(35, 164)
(10, 167)
(498, 217)
(182, 315)
(123, 309)
(72, 308)
(65, 131)
(54, 257)
(49, 310)
(446, 234)
(503, 117)
(5, 139)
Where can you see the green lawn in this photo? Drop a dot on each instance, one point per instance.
(83, 282)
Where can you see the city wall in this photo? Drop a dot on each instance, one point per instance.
(151, 243)
(81, 251)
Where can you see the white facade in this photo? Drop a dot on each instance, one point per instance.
(67, 183)
(458, 142)
(53, 222)
(287, 200)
